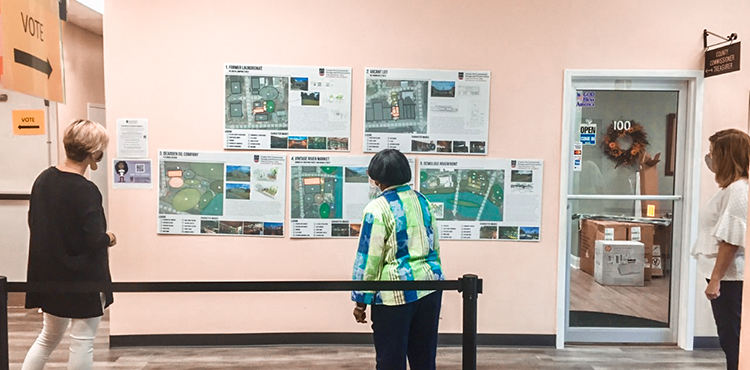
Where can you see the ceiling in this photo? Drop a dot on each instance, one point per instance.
(84, 17)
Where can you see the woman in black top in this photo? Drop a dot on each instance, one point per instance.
(68, 249)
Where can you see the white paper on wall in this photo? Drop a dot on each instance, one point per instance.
(132, 138)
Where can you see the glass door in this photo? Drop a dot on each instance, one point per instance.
(624, 190)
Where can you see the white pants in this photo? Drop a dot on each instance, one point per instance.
(82, 333)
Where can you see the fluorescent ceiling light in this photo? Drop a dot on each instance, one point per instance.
(95, 5)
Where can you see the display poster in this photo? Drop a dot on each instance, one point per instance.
(484, 199)
(287, 108)
(329, 194)
(221, 193)
(427, 111)
(132, 138)
(131, 174)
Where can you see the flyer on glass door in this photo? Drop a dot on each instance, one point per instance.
(484, 199)
(220, 193)
(427, 111)
(287, 108)
(329, 194)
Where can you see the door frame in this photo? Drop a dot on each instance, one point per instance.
(684, 288)
(102, 175)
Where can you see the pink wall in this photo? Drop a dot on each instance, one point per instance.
(83, 55)
(164, 62)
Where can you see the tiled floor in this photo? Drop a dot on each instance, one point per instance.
(24, 326)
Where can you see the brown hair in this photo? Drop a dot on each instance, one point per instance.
(83, 138)
(731, 155)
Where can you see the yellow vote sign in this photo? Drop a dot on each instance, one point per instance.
(31, 48)
(28, 122)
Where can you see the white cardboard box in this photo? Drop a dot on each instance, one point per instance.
(619, 262)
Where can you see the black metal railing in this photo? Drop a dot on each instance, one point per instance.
(469, 285)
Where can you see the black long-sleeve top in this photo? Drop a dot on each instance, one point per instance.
(68, 245)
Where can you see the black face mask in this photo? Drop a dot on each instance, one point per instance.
(710, 163)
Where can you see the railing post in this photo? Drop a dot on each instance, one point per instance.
(4, 359)
(470, 290)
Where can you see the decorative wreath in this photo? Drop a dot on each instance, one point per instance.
(615, 139)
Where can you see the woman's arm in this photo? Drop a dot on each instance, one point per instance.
(91, 214)
(369, 260)
(723, 261)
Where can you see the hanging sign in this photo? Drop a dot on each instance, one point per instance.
(722, 60)
(588, 133)
(32, 62)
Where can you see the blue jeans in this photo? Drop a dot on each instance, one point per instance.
(407, 331)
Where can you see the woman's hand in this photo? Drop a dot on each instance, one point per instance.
(724, 259)
(360, 314)
(112, 238)
(712, 291)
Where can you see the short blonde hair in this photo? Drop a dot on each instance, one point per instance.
(83, 138)
(731, 155)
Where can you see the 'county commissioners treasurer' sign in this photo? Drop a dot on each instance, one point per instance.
(31, 48)
(722, 60)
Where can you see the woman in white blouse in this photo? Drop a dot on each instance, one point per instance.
(720, 248)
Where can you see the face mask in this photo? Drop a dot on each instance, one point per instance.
(374, 191)
(710, 163)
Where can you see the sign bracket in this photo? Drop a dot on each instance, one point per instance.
(706, 33)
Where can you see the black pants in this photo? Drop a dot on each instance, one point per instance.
(409, 330)
(727, 314)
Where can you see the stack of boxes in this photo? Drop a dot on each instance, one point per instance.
(642, 239)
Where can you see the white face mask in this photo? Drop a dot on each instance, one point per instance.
(710, 163)
(374, 190)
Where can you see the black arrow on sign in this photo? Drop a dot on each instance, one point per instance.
(21, 127)
(31, 61)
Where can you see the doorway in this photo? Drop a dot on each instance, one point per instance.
(98, 114)
(624, 189)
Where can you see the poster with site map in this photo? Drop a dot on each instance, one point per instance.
(328, 195)
(484, 199)
(219, 193)
(287, 108)
(427, 111)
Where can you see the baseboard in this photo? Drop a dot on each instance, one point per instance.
(706, 343)
(575, 262)
(218, 340)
